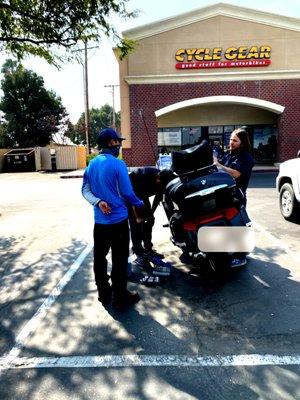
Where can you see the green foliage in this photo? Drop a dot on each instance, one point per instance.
(99, 119)
(89, 157)
(32, 113)
(4, 138)
(41, 27)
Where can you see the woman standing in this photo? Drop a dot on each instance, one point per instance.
(238, 162)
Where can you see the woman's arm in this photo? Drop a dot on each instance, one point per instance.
(233, 172)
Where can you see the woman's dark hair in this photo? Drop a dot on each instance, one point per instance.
(242, 134)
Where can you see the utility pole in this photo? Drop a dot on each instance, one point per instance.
(86, 101)
(86, 96)
(113, 104)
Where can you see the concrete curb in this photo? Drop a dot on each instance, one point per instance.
(71, 176)
(274, 169)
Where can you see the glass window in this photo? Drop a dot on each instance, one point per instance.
(215, 129)
(263, 139)
(228, 128)
(264, 144)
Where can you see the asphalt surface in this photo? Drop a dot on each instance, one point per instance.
(187, 339)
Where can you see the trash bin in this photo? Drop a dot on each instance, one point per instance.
(20, 160)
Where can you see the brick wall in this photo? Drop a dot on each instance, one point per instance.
(146, 99)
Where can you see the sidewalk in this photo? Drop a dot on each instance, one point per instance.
(72, 174)
(265, 168)
(257, 168)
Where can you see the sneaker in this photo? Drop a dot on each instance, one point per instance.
(238, 262)
(141, 261)
(153, 253)
(128, 300)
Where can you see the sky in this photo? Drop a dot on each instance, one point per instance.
(102, 64)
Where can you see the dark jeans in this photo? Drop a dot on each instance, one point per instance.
(116, 238)
(141, 233)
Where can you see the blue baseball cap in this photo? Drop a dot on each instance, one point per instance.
(106, 135)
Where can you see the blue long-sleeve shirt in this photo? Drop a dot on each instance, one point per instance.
(108, 180)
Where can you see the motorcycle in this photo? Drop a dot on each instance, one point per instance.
(206, 216)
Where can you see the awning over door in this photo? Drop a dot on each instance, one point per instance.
(248, 101)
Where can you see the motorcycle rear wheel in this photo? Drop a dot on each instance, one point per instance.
(219, 263)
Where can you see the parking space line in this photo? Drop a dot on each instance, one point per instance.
(261, 281)
(32, 324)
(113, 361)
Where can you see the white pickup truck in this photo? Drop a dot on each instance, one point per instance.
(288, 185)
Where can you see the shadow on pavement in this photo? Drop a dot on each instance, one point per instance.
(189, 315)
(25, 285)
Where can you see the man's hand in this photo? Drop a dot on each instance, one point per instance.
(139, 214)
(104, 207)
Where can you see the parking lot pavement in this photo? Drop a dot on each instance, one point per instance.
(193, 337)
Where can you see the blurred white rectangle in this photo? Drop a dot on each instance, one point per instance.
(229, 239)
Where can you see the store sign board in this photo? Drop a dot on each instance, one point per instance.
(169, 138)
(232, 57)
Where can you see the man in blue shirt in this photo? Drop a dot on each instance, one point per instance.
(108, 179)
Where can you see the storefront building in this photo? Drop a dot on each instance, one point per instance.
(203, 73)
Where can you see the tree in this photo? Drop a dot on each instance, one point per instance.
(4, 140)
(32, 113)
(40, 27)
(99, 119)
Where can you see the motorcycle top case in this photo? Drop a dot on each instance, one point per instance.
(192, 159)
(204, 193)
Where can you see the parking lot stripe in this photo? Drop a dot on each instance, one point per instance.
(32, 324)
(261, 281)
(112, 361)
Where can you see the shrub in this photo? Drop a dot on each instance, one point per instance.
(89, 157)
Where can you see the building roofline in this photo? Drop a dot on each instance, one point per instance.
(213, 10)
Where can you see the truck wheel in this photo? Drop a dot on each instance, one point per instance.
(288, 202)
